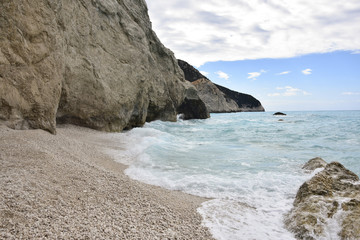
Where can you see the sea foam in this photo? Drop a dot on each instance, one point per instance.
(248, 163)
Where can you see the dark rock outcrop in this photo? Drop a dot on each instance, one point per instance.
(191, 73)
(279, 114)
(93, 63)
(329, 201)
(218, 98)
(193, 107)
(245, 102)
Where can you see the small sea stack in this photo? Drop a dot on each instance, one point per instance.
(330, 199)
(279, 114)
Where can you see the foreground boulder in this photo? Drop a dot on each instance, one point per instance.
(92, 63)
(219, 99)
(327, 206)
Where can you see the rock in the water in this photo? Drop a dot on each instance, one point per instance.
(331, 198)
(314, 163)
(193, 107)
(219, 99)
(279, 114)
(93, 63)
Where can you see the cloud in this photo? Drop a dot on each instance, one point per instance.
(240, 29)
(255, 75)
(204, 73)
(288, 92)
(222, 75)
(307, 71)
(284, 73)
(351, 93)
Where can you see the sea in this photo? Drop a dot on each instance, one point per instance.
(248, 164)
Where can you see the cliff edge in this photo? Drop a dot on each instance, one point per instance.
(91, 63)
(219, 99)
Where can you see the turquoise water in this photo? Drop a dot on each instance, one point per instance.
(248, 163)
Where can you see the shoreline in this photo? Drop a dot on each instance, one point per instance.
(65, 186)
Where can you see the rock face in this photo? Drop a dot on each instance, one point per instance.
(327, 206)
(214, 99)
(245, 102)
(217, 98)
(93, 63)
(191, 73)
(31, 65)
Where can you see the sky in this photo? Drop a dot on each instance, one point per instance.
(290, 55)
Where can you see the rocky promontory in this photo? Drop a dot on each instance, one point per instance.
(328, 205)
(219, 99)
(91, 63)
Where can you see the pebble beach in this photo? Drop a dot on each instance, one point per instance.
(64, 186)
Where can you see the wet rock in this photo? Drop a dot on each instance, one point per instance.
(351, 224)
(330, 197)
(314, 163)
